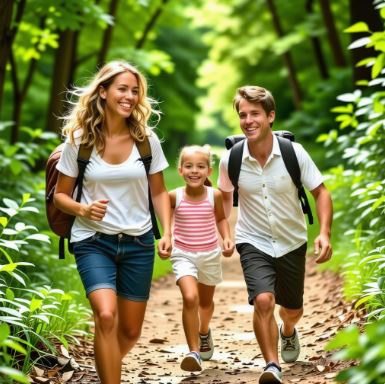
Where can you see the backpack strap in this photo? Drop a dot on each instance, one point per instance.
(144, 149)
(234, 167)
(84, 154)
(291, 163)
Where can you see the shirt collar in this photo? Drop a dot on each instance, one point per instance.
(275, 152)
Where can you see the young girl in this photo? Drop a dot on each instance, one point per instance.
(198, 212)
(112, 234)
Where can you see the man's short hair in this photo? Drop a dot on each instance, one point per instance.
(255, 94)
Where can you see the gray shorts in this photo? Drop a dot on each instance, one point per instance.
(283, 276)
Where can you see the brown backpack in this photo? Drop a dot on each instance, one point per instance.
(60, 222)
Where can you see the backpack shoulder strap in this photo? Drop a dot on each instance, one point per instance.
(145, 153)
(144, 148)
(234, 167)
(291, 163)
(235, 162)
(83, 159)
(290, 159)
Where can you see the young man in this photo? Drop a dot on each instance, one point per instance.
(271, 234)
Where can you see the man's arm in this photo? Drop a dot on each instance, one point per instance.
(227, 198)
(324, 206)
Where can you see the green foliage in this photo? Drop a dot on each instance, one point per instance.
(361, 143)
(367, 347)
(33, 316)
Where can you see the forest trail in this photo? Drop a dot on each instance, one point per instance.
(237, 358)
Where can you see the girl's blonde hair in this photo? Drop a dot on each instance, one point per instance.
(87, 114)
(203, 149)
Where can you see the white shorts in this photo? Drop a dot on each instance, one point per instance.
(205, 266)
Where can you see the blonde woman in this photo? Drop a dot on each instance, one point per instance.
(112, 234)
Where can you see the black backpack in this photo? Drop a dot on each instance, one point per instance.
(60, 222)
(285, 138)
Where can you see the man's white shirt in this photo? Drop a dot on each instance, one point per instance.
(270, 216)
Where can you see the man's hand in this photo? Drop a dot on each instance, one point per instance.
(322, 249)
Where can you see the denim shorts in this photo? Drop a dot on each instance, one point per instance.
(120, 262)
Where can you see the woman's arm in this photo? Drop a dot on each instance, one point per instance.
(63, 200)
(162, 206)
(222, 224)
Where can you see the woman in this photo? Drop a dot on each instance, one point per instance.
(112, 234)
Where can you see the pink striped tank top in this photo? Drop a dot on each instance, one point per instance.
(194, 223)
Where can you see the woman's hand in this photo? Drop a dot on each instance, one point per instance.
(96, 210)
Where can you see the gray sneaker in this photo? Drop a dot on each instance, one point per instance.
(290, 347)
(191, 362)
(271, 374)
(206, 348)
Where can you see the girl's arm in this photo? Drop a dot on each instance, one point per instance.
(161, 201)
(222, 224)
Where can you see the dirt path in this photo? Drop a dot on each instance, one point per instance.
(237, 359)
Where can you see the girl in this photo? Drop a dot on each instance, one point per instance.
(198, 212)
(112, 234)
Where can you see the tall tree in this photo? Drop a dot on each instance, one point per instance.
(107, 35)
(287, 58)
(333, 37)
(60, 79)
(363, 11)
(7, 35)
(317, 47)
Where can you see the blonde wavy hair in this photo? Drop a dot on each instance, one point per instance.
(87, 116)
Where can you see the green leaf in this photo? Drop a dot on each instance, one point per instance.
(35, 304)
(357, 27)
(360, 43)
(348, 336)
(39, 237)
(378, 202)
(15, 375)
(5, 331)
(378, 65)
(3, 221)
(16, 346)
(10, 203)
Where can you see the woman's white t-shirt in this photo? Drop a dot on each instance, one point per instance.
(124, 185)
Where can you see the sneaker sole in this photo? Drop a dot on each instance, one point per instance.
(269, 378)
(190, 364)
(206, 355)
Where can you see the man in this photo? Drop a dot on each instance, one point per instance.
(271, 234)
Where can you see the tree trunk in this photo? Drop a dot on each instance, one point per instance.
(317, 47)
(60, 78)
(363, 11)
(150, 24)
(333, 37)
(7, 35)
(107, 35)
(286, 57)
